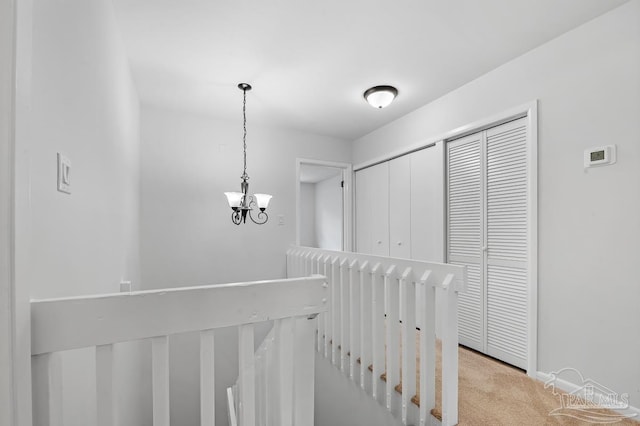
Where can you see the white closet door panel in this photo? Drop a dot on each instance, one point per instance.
(380, 209)
(470, 310)
(427, 204)
(507, 314)
(362, 207)
(464, 233)
(372, 210)
(507, 249)
(507, 191)
(399, 207)
(464, 198)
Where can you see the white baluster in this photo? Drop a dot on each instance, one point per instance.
(449, 303)
(207, 378)
(408, 308)
(319, 268)
(160, 379)
(308, 265)
(302, 262)
(427, 350)
(272, 382)
(231, 408)
(284, 358)
(378, 328)
(365, 321)
(260, 383)
(289, 266)
(247, 376)
(304, 373)
(314, 263)
(105, 391)
(295, 259)
(335, 308)
(327, 315)
(47, 389)
(354, 318)
(391, 291)
(344, 313)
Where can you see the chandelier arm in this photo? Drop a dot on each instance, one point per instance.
(236, 217)
(262, 217)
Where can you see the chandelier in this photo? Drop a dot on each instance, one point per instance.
(241, 202)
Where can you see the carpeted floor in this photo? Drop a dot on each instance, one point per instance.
(494, 393)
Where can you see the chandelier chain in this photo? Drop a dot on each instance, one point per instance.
(244, 127)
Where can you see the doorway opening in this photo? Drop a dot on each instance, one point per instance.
(323, 204)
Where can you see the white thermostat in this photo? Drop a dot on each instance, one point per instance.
(599, 156)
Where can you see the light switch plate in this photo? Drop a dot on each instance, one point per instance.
(64, 174)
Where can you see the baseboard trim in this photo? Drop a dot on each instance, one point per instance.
(566, 386)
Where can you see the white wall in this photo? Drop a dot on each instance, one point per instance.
(7, 66)
(328, 214)
(308, 214)
(588, 89)
(186, 231)
(86, 107)
(187, 237)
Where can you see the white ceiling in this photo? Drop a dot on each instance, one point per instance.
(310, 61)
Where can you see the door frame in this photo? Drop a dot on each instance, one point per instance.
(347, 198)
(15, 211)
(530, 111)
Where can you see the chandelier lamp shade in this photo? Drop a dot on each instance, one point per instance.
(380, 96)
(243, 204)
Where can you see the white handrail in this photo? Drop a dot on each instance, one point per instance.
(80, 322)
(370, 297)
(298, 261)
(101, 321)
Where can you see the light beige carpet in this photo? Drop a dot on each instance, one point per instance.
(494, 393)
(491, 392)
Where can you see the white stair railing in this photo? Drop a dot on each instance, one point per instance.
(284, 375)
(101, 321)
(372, 302)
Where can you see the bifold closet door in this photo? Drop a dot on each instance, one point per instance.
(507, 242)
(427, 204)
(372, 210)
(487, 223)
(465, 218)
(400, 207)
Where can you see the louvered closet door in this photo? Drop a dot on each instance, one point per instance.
(506, 236)
(464, 233)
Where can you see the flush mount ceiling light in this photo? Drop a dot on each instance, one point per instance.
(380, 96)
(242, 203)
